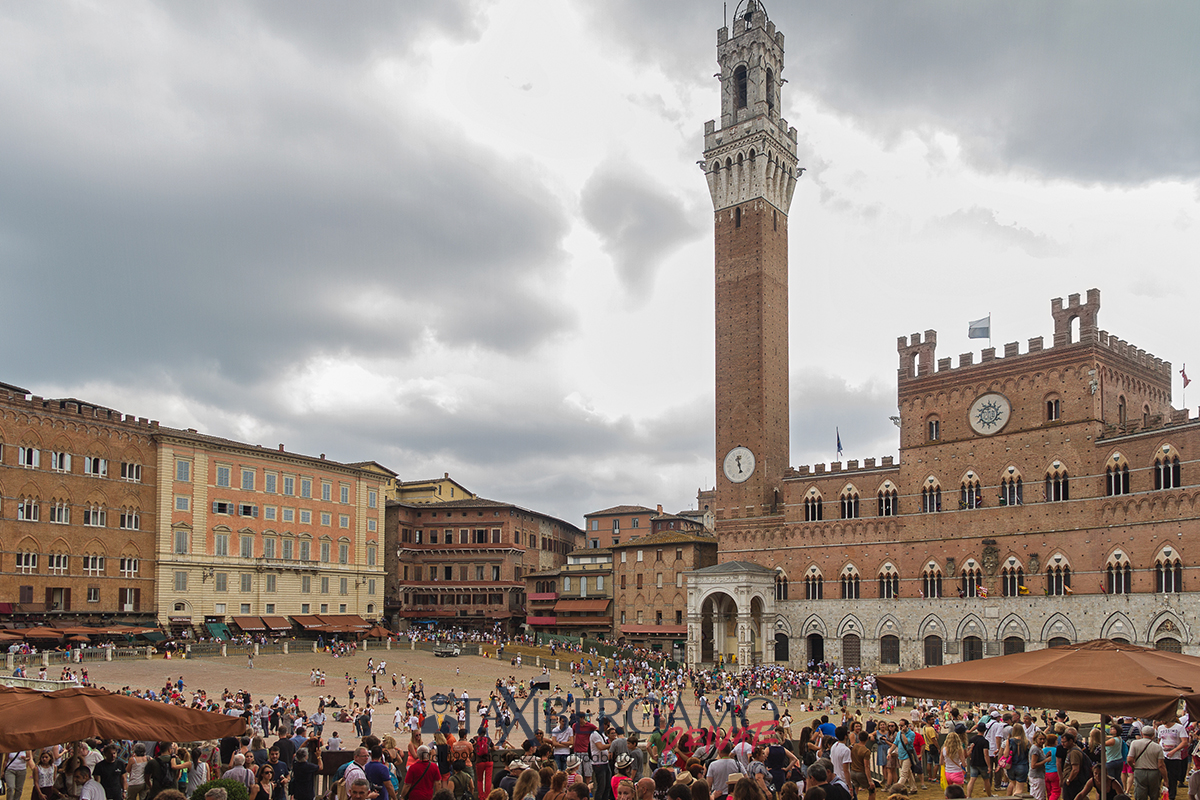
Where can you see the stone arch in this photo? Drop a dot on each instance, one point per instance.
(1059, 625)
(814, 624)
(783, 625)
(933, 625)
(971, 625)
(1119, 626)
(1012, 625)
(1167, 623)
(889, 625)
(850, 624)
(94, 547)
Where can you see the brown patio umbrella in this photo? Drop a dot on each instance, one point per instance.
(1099, 676)
(41, 633)
(377, 632)
(37, 719)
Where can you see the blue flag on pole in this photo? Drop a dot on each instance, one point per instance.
(980, 328)
(839, 442)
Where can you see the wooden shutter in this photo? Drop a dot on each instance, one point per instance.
(66, 599)
(49, 598)
(137, 599)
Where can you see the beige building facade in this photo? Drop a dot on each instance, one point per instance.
(247, 530)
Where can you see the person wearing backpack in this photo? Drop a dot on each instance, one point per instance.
(462, 785)
(483, 763)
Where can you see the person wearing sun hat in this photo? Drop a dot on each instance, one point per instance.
(623, 767)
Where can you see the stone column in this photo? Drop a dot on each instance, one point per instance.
(388, 646)
(364, 645)
(314, 645)
(256, 648)
(107, 654)
(224, 650)
(285, 648)
(745, 651)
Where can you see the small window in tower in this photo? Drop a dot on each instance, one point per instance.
(740, 86)
(774, 220)
(737, 217)
(770, 90)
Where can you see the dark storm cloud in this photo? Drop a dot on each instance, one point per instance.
(639, 223)
(1088, 91)
(223, 207)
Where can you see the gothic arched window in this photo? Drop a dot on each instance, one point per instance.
(1058, 576)
(888, 503)
(931, 581)
(889, 582)
(849, 503)
(740, 87)
(1058, 484)
(850, 583)
(1166, 469)
(970, 493)
(1168, 572)
(931, 498)
(814, 584)
(1118, 574)
(1116, 476)
(813, 507)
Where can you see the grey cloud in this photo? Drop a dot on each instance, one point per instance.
(165, 213)
(1088, 91)
(639, 222)
(824, 403)
(982, 222)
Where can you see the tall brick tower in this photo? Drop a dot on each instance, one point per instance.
(750, 164)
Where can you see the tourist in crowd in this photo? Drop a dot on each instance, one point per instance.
(1149, 764)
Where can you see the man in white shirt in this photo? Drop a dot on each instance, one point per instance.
(742, 751)
(89, 787)
(563, 737)
(839, 754)
(397, 719)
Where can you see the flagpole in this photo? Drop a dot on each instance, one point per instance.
(989, 329)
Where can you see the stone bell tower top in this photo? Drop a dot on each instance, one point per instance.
(753, 154)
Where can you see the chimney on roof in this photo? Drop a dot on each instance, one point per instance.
(660, 508)
(191, 430)
(322, 456)
(281, 447)
(446, 475)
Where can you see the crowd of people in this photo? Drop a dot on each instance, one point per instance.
(845, 743)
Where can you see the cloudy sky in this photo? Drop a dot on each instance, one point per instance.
(471, 237)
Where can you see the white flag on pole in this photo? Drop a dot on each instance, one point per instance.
(980, 328)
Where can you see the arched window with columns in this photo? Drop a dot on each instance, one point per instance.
(1116, 476)
(1012, 491)
(1058, 575)
(814, 510)
(970, 493)
(931, 496)
(849, 502)
(888, 500)
(781, 584)
(1012, 578)
(889, 581)
(1168, 571)
(1058, 483)
(1167, 474)
(971, 579)
(814, 584)
(851, 583)
(931, 581)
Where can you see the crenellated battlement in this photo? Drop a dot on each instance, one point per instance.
(837, 468)
(917, 354)
(30, 403)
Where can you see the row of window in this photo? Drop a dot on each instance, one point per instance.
(465, 536)
(480, 572)
(274, 483)
(1057, 488)
(270, 583)
(60, 564)
(1117, 579)
(635, 522)
(272, 513)
(285, 548)
(29, 509)
(60, 461)
(1053, 406)
(658, 618)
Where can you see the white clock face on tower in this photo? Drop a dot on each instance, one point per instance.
(739, 464)
(989, 414)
